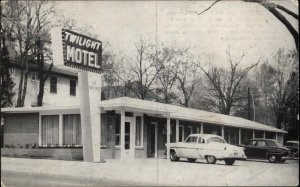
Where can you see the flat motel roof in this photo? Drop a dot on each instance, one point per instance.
(150, 107)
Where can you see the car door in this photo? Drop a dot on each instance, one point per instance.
(261, 149)
(200, 147)
(189, 149)
(250, 149)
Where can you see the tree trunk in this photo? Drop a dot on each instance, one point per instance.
(41, 73)
(20, 88)
(25, 86)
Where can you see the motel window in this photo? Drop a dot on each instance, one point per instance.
(71, 129)
(53, 84)
(50, 131)
(103, 129)
(139, 131)
(117, 132)
(187, 131)
(35, 77)
(181, 133)
(73, 87)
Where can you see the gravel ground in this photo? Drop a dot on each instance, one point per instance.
(38, 172)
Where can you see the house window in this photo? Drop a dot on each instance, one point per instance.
(53, 84)
(71, 129)
(138, 131)
(73, 87)
(50, 130)
(35, 77)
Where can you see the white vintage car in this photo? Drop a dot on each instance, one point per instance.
(206, 146)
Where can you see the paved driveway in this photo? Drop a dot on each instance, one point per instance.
(147, 172)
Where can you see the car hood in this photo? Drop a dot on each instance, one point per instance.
(285, 148)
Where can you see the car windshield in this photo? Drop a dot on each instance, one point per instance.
(273, 144)
(277, 144)
(215, 139)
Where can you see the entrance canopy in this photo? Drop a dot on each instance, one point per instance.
(136, 105)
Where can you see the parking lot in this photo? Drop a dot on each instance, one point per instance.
(36, 172)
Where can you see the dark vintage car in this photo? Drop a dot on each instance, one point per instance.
(266, 149)
(293, 145)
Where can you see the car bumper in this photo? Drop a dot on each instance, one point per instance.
(233, 157)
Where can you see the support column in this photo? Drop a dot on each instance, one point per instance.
(155, 136)
(40, 130)
(276, 137)
(122, 136)
(177, 130)
(253, 134)
(201, 130)
(168, 136)
(240, 136)
(223, 134)
(90, 97)
(264, 134)
(60, 130)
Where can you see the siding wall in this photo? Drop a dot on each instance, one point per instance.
(61, 98)
(21, 129)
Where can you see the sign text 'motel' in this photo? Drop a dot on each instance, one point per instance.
(81, 51)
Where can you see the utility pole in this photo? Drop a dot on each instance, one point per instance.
(249, 104)
(253, 107)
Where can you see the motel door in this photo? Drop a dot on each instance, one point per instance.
(127, 151)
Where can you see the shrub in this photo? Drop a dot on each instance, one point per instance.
(34, 146)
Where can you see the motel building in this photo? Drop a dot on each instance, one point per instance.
(130, 128)
(121, 128)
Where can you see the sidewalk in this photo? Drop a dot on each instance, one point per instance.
(125, 172)
(153, 172)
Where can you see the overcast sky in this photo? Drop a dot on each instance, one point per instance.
(244, 27)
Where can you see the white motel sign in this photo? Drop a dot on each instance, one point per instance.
(85, 54)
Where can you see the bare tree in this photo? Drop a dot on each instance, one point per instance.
(118, 82)
(167, 76)
(278, 83)
(27, 21)
(187, 77)
(43, 11)
(224, 85)
(145, 69)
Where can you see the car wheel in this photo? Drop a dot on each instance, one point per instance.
(173, 156)
(229, 161)
(272, 158)
(211, 159)
(280, 160)
(191, 159)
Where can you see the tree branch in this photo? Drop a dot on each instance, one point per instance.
(283, 20)
(207, 8)
(287, 11)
